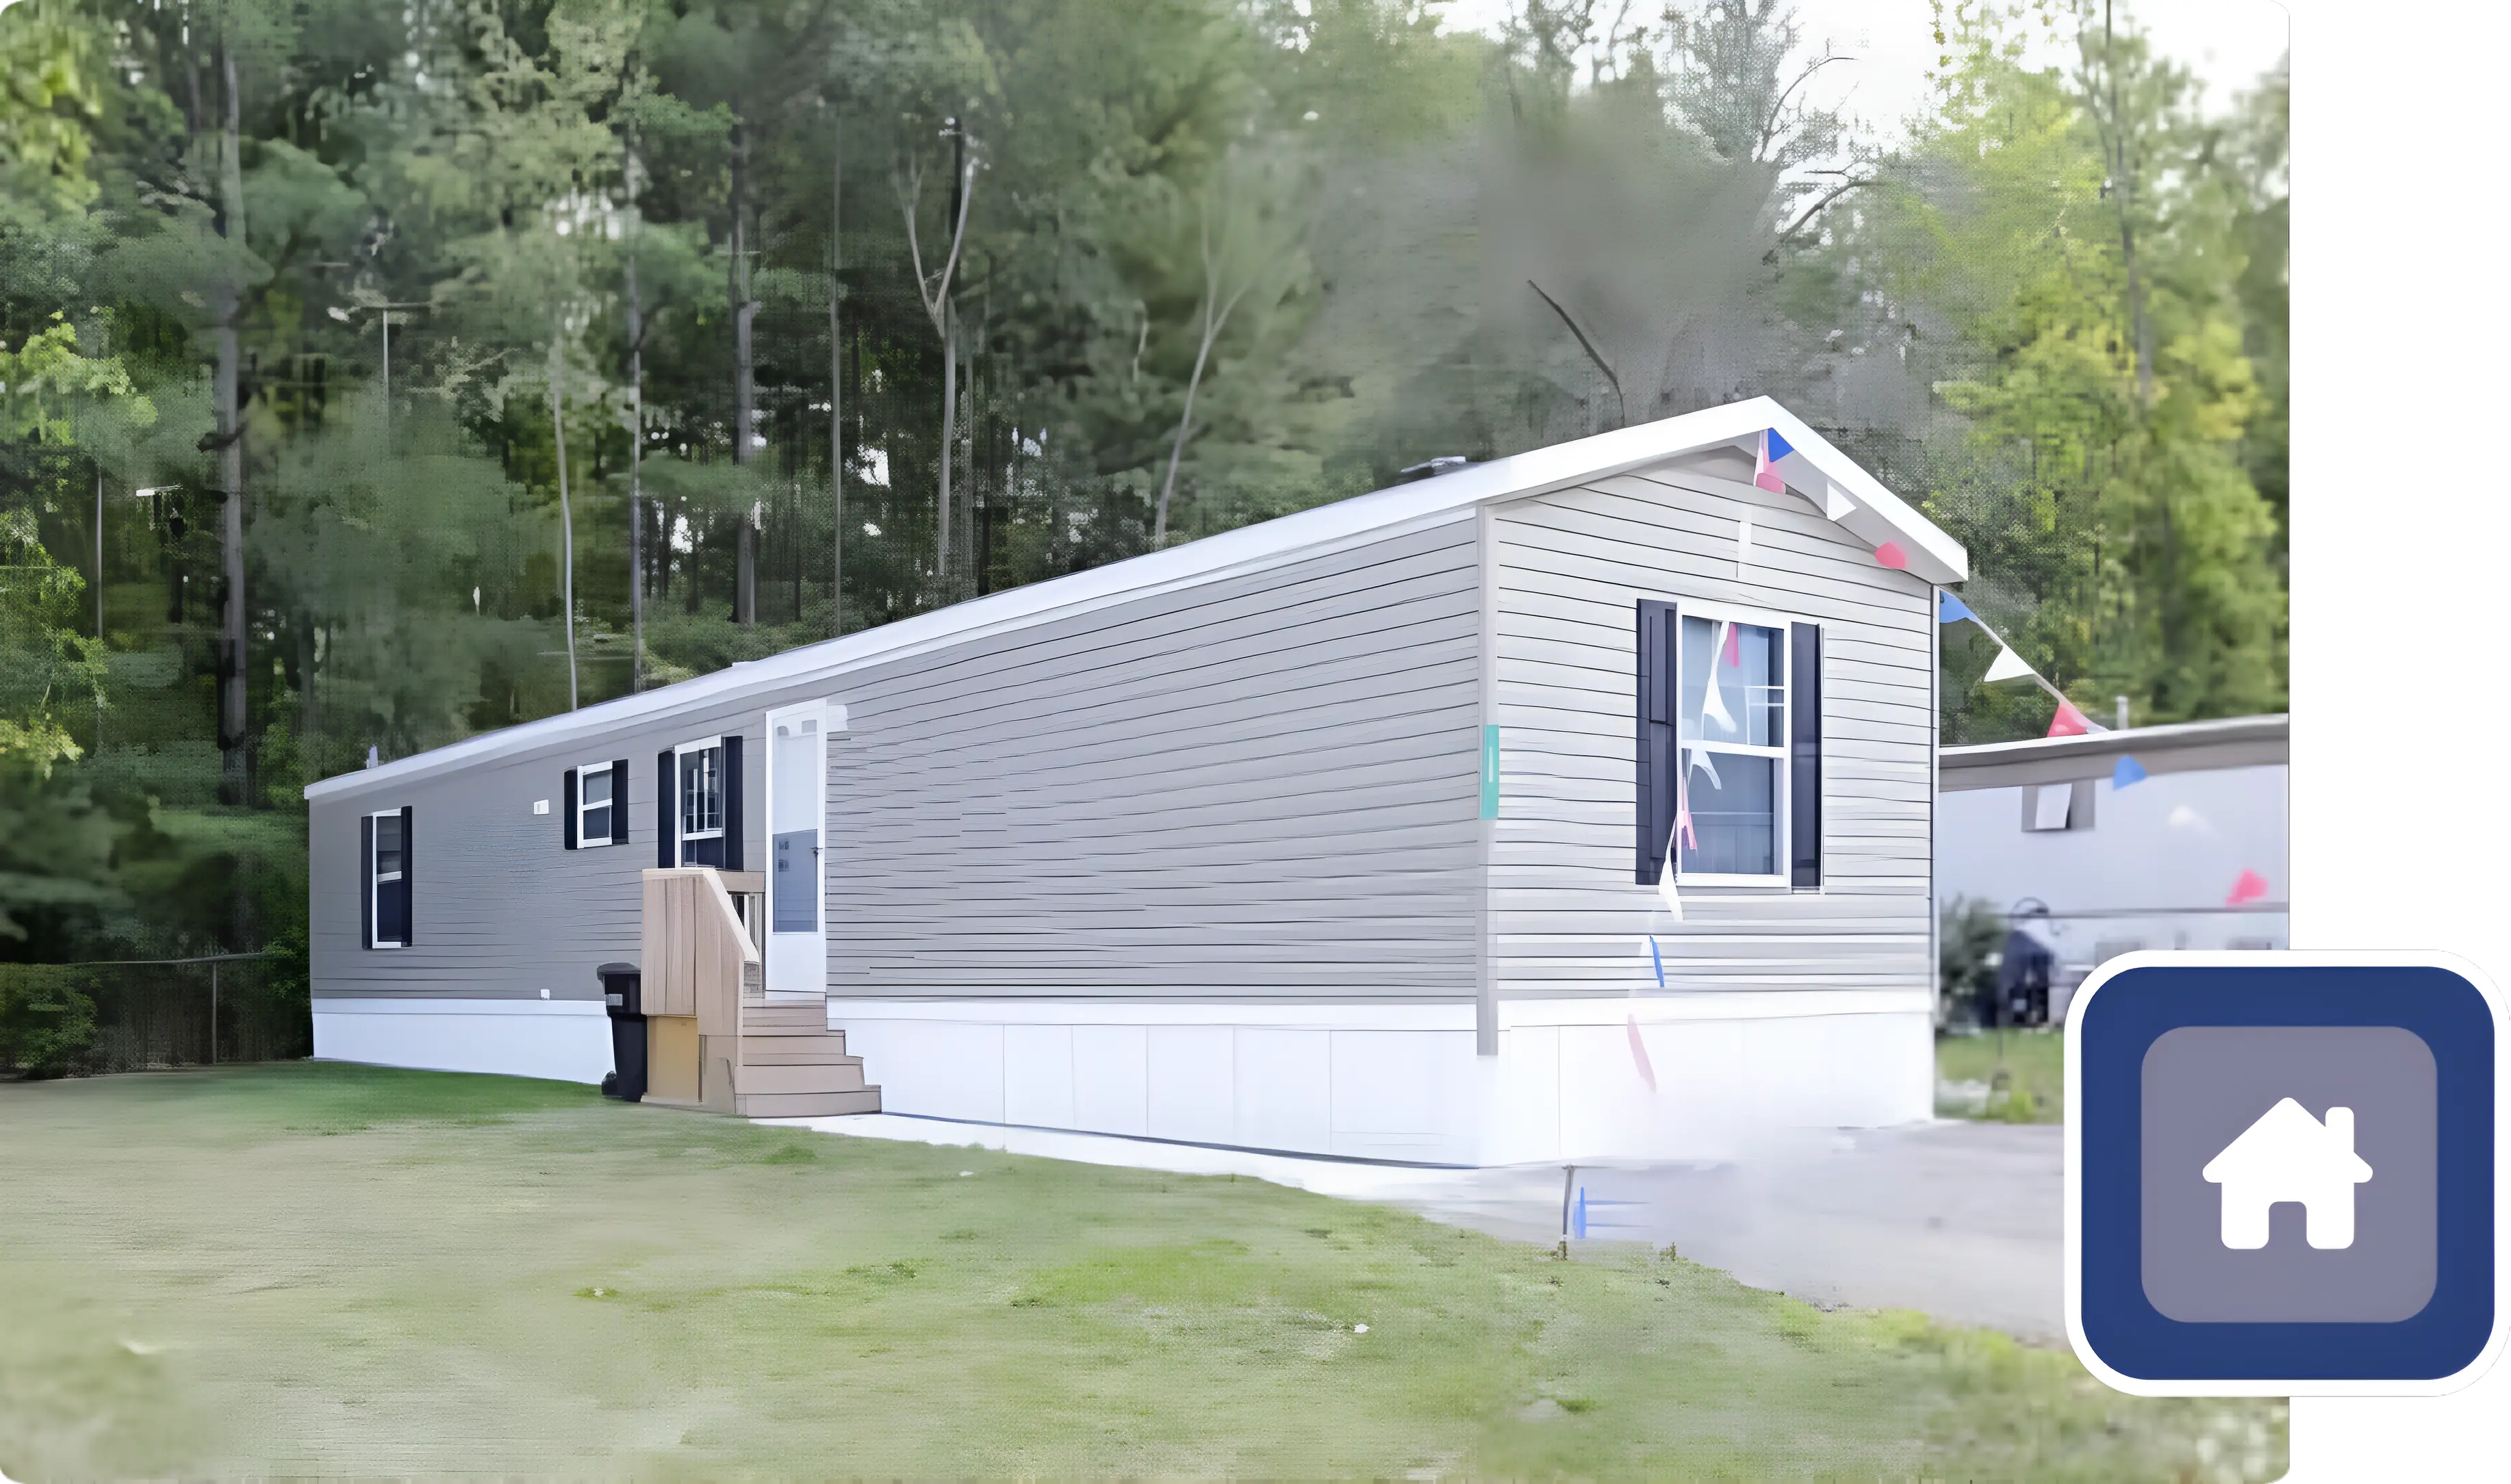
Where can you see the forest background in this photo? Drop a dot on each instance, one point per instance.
(372, 376)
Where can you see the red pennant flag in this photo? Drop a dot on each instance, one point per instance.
(2068, 722)
(2251, 887)
(1890, 554)
(1736, 645)
(1638, 1053)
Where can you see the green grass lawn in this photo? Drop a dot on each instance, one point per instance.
(318, 1268)
(2034, 1063)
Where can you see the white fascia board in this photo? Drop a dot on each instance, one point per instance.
(1876, 515)
(1934, 556)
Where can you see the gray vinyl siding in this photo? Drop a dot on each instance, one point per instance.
(499, 907)
(1262, 786)
(1568, 917)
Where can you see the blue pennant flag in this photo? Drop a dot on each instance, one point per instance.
(1951, 609)
(1780, 447)
(2129, 770)
(1658, 960)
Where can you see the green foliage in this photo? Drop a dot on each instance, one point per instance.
(2081, 238)
(47, 1019)
(1246, 256)
(1967, 940)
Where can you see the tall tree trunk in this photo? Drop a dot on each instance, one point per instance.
(1216, 317)
(565, 516)
(636, 467)
(836, 383)
(745, 599)
(234, 636)
(949, 436)
(98, 748)
(951, 349)
(2140, 326)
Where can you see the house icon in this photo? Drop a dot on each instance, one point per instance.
(2288, 1155)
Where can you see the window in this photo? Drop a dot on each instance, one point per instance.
(1730, 747)
(597, 804)
(2056, 807)
(701, 794)
(701, 809)
(385, 841)
(2110, 948)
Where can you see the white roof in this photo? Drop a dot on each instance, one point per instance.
(2179, 747)
(1815, 470)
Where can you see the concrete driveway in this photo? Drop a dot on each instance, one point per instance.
(1957, 1220)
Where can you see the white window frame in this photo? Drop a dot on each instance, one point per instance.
(583, 770)
(682, 834)
(375, 880)
(1782, 794)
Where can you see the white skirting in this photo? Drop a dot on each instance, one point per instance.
(1379, 1081)
(564, 1040)
(1403, 1082)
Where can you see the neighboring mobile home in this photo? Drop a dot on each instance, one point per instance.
(2190, 854)
(1337, 834)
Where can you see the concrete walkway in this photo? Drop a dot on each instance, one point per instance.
(1959, 1221)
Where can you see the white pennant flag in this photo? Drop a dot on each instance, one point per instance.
(1700, 761)
(1665, 884)
(2009, 666)
(1711, 705)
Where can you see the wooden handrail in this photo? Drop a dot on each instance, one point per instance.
(698, 960)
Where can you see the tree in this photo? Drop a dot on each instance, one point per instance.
(1248, 234)
(933, 290)
(2095, 347)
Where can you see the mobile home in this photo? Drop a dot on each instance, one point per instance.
(1339, 834)
(2144, 837)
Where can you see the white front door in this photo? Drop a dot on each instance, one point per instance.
(797, 807)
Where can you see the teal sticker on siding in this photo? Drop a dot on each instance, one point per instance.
(1490, 773)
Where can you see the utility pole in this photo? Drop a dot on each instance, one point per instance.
(345, 314)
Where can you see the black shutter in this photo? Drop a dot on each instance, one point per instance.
(568, 805)
(408, 882)
(667, 790)
(732, 803)
(1805, 756)
(366, 881)
(1659, 637)
(619, 802)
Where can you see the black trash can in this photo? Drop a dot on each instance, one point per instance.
(622, 990)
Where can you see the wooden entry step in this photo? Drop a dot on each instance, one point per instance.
(744, 1053)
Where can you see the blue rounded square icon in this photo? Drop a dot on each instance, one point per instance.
(2282, 1175)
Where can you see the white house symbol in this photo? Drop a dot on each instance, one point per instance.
(2288, 1155)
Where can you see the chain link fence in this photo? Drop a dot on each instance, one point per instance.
(85, 1020)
